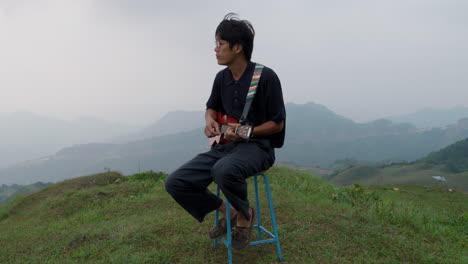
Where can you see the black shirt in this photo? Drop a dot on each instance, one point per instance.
(229, 95)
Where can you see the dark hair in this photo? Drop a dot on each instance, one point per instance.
(236, 31)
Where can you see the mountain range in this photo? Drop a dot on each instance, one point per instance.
(432, 117)
(316, 136)
(26, 136)
(171, 123)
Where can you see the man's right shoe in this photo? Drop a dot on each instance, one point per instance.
(220, 230)
(241, 235)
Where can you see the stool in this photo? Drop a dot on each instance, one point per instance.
(273, 238)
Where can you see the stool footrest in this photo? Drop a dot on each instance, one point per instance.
(262, 242)
(224, 240)
(266, 231)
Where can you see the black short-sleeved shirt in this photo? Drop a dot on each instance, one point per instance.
(229, 95)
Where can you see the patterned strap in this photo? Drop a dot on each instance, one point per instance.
(252, 90)
(255, 78)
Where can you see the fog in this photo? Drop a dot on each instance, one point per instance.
(133, 61)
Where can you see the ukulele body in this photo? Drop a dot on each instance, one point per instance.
(243, 131)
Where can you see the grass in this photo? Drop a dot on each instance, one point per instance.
(109, 218)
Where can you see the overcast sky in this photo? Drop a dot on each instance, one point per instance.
(132, 61)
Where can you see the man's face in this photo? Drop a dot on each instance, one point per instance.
(224, 54)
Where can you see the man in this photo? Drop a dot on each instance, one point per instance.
(230, 164)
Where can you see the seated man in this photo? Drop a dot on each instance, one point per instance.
(229, 164)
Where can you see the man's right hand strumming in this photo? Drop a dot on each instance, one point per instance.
(212, 128)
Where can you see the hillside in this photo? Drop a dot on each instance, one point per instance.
(454, 157)
(450, 162)
(108, 218)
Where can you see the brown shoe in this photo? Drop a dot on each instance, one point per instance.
(220, 230)
(241, 235)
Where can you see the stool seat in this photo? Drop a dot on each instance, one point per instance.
(272, 236)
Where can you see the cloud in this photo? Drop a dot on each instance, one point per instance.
(132, 61)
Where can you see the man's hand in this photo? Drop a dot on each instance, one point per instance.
(212, 128)
(230, 134)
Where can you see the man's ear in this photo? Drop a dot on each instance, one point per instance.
(238, 49)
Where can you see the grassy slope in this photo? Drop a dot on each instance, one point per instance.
(10, 192)
(98, 220)
(416, 173)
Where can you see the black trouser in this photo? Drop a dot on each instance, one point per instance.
(229, 165)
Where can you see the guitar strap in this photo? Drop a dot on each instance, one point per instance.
(252, 90)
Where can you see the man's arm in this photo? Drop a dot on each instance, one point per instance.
(268, 128)
(265, 129)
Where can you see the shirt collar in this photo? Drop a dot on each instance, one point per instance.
(245, 78)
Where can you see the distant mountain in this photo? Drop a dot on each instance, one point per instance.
(315, 123)
(315, 137)
(171, 123)
(432, 117)
(27, 136)
(448, 166)
(160, 154)
(399, 147)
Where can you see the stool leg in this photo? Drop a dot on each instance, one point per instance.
(228, 227)
(257, 205)
(216, 218)
(273, 218)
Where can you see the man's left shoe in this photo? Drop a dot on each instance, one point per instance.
(241, 235)
(221, 230)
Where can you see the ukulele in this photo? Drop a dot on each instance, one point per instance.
(243, 131)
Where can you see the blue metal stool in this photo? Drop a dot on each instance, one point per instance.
(273, 238)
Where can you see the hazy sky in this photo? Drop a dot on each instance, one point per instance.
(134, 60)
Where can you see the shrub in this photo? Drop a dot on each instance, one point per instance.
(148, 175)
(355, 195)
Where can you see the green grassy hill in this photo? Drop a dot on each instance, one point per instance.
(109, 218)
